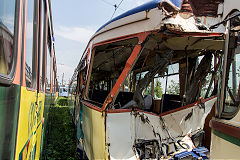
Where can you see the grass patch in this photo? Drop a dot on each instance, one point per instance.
(60, 135)
(62, 101)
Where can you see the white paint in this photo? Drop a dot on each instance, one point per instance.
(230, 5)
(137, 23)
(124, 128)
(119, 129)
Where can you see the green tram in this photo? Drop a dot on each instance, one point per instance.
(28, 80)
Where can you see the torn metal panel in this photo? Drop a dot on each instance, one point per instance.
(93, 127)
(128, 132)
(120, 130)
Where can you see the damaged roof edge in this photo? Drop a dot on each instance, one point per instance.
(147, 6)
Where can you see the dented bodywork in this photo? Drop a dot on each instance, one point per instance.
(134, 134)
(130, 108)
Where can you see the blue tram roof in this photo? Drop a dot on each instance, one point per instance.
(147, 6)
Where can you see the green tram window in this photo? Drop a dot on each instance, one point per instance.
(7, 14)
(30, 45)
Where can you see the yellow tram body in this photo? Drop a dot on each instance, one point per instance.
(28, 80)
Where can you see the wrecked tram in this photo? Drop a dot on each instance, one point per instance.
(148, 80)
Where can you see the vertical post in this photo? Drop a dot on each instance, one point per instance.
(92, 52)
(128, 67)
(223, 85)
(234, 83)
(129, 83)
(134, 82)
(153, 87)
(215, 69)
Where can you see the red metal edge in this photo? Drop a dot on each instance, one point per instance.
(119, 110)
(162, 114)
(187, 106)
(92, 106)
(196, 34)
(225, 128)
(116, 39)
(205, 100)
(186, 34)
(135, 35)
(127, 68)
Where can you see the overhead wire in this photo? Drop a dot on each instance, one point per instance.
(116, 7)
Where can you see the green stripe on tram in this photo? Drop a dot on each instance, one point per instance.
(228, 138)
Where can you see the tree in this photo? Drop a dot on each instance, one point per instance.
(148, 90)
(173, 88)
(158, 89)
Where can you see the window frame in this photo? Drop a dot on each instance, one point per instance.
(46, 68)
(223, 114)
(41, 46)
(45, 46)
(223, 81)
(34, 46)
(8, 79)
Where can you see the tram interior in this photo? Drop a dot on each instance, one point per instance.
(182, 64)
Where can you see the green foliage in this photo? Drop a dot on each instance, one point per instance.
(60, 135)
(173, 88)
(158, 89)
(62, 101)
(148, 90)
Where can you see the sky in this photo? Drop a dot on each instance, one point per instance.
(74, 22)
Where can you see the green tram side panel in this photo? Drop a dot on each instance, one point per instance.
(9, 109)
(71, 101)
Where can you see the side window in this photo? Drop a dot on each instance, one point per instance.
(167, 84)
(173, 79)
(232, 86)
(82, 76)
(107, 66)
(30, 78)
(7, 14)
(48, 70)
